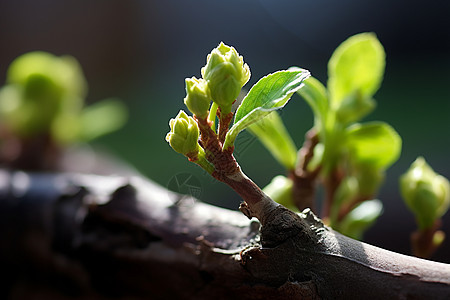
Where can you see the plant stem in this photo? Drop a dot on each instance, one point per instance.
(256, 203)
(200, 159)
(423, 240)
(224, 123)
(332, 182)
(304, 180)
(226, 169)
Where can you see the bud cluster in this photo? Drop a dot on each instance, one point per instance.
(223, 77)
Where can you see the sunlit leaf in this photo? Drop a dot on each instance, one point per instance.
(273, 135)
(361, 218)
(270, 93)
(376, 144)
(280, 190)
(102, 117)
(346, 192)
(354, 107)
(357, 65)
(315, 94)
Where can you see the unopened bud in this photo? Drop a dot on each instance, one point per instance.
(425, 192)
(226, 74)
(183, 135)
(197, 97)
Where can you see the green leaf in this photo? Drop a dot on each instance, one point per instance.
(357, 65)
(375, 144)
(102, 118)
(63, 73)
(346, 192)
(354, 107)
(65, 128)
(369, 178)
(361, 218)
(273, 135)
(280, 190)
(270, 93)
(315, 94)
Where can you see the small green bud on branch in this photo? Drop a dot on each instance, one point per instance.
(425, 192)
(195, 137)
(183, 135)
(226, 74)
(197, 97)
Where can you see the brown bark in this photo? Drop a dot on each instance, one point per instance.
(93, 237)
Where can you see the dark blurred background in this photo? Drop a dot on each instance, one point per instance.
(141, 51)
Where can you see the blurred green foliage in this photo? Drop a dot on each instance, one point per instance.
(45, 94)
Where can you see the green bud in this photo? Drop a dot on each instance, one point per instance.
(226, 74)
(183, 135)
(425, 192)
(197, 97)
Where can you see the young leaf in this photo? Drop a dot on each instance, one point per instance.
(280, 190)
(375, 143)
(270, 93)
(361, 218)
(369, 179)
(101, 118)
(274, 136)
(315, 94)
(357, 65)
(354, 107)
(346, 192)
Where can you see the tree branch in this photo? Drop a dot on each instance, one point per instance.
(95, 237)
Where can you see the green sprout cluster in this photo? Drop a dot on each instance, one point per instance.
(349, 157)
(223, 77)
(44, 96)
(210, 98)
(345, 155)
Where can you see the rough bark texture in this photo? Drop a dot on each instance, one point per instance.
(94, 237)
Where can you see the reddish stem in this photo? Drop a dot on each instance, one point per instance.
(331, 185)
(34, 153)
(224, 124)
(228, 171)
(305, 180)
(422, 241)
